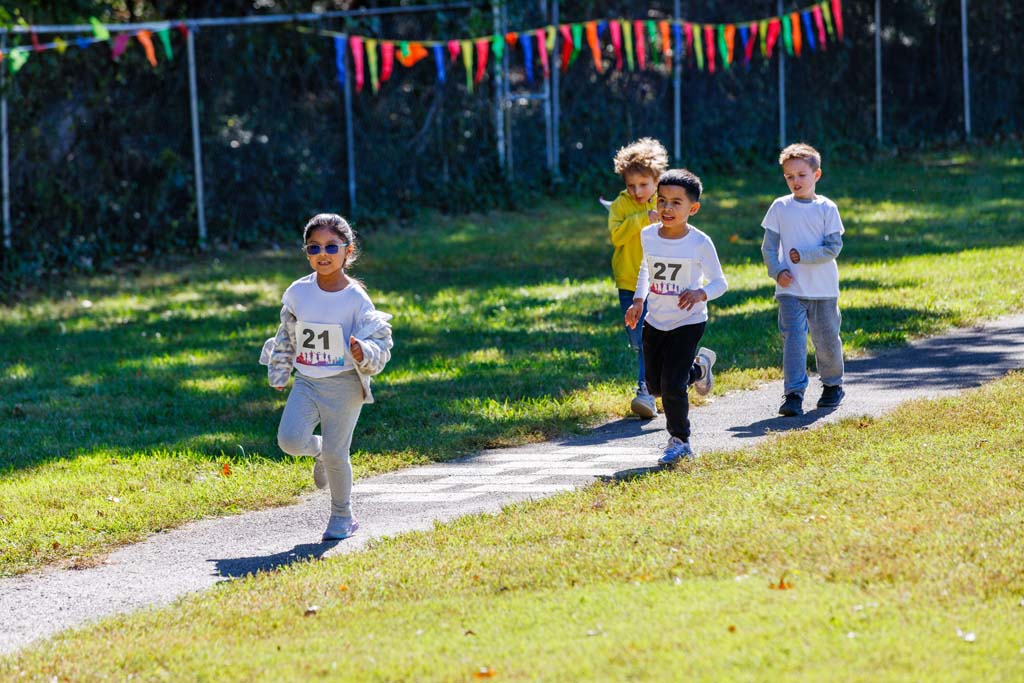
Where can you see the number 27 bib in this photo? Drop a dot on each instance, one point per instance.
(669, 275)
(320, 349)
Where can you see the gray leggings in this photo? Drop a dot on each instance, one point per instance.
(333, 403)
(821, 317)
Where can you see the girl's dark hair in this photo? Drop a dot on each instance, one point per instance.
(337, 225)
(680, 177)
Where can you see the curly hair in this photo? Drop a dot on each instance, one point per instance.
(646, 156)
(801, 150)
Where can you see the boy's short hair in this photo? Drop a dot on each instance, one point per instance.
(801, 150)
(646, 156)
(680, 177)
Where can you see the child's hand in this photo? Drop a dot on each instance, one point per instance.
(653, 216)
(280, 388)
(633, 314)
(356, 349)
(690, 297)
(786, 278)
(794, 256)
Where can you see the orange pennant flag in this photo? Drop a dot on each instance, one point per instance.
(595, 48)
(146, 38)
(416, 53)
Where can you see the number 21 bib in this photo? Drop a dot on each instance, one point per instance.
(320, 349)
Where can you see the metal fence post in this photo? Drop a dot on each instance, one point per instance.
(197, 152)
(878, 71)
(350, 152)
(677, 94)
(499, 88)
(556, 109)
(5, 153)
(782, 89)
(967, 72)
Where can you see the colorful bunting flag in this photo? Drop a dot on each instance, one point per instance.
(828, 19)
(17, 59)
(808, 30)
(61, 45)
(99, 30)
(709, 46)
(483, 50)
(798, 43)
(748, 44)
(698, 47)
(355, 43)
(595, 47)
(120, 45)
(371, 64)
(165, 39)
(453, 50)
(146, 39)
(666, 43)
(413, 53)
(787, 34)
(387, 60)
(819, 23)
(774, 26)
(542, 51)
(566, 34)
(339, 59)
(627, 35)
(615, 30)
(497, 46)
(837, 16)
(439, 63)
(688, 29)
(467, 61)
(527, 45)
(730, 43)
(641, 47)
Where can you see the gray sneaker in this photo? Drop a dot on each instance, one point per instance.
(705, 360)
(340, 527)
(676, 450)
(643, 403)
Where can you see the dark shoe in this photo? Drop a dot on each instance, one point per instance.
(831, 397)
(793, 406)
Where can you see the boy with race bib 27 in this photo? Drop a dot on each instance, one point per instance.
(335, 340)
(679, 274)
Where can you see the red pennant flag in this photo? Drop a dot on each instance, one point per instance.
(542, 51)
(566, 45)
(183, 30)
(36, 46)
(512, 38)
(146, 38)
(819, 20)
(641, 44)
(356, 44)
(837, 16)
(454, 50)
(748, 49)
(774, 26)
(616, 33)
(595, 46)
(709, 46)
(688, 30)
(483, 51)
(387, 60)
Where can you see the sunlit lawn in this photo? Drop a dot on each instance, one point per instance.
(122, 401)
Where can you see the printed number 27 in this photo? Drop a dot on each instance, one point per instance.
(307, 343)
(659, 270)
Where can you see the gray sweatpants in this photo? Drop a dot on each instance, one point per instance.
(822, 318)
(334, 403)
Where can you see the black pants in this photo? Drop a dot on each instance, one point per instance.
(668, 355)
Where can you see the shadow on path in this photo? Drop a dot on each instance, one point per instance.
(240, 567)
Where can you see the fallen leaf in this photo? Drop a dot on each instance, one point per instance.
(734, 238)
(469, 632)
(343, 588)
(56, 545)
(225, 469)
(485, 672)
(782, 585)
(732, 628)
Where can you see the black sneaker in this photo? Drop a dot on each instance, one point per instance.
(831, 397)
(793, 406)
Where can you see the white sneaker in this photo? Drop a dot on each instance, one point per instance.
(676, 450)
(319, 472)
(340, 527)
(643, 403)
(705, 360)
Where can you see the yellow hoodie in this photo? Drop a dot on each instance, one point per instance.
(626, 218)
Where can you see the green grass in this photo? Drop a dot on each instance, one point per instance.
(507, 330)
(895, 538)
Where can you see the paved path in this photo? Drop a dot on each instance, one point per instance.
(199, 555)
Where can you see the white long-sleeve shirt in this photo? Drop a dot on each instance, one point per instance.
(671, 266)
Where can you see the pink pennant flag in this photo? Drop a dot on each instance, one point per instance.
(453, 50)
(616, 33)
(542, 51)
(120, 45)
(774, 26)
(709, 46)
(837, 16)
(819, 20)
(641, 45)
(483, 51)
(387, 60)
(748, 49)
(356, 44)
(688, 32)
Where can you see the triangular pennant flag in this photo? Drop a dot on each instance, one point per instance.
(723, 49)
(453, 50)
(774, 26)
(498, 47)
(119, 46)
(805, 17)
(549, 34)
(577, 41)
(677, 31)
(709, 46)
(98, 29)
(798, 43)
(371, 64)
(615, 32)
(387, 60)
(439, 62)
(355, 43)
(483, 50)
(566, 34)
(819, 22)
(164, 35)
(730, 43)
(698, 47)
(652, 35)
(787, 34)
(146, 39)
(17, 59)
(527, 44)
(466, 48)
(60, 44)
(83, 43)
(666, 43)
(763, 31)
(542, 51)
(595, 46)
(749, 43)
(340, 46)
(626, 32)
(837, 16)
(36, 45)
(413, 53)
(827, 13)
(641, 44)
(512, 38)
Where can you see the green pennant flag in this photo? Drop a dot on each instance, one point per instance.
(787, 35)
(17, 58)
(498, 46)
(652, 36)
(403, 48)
(577, 41)
(98, 29)
(165, 40)
(723, 48)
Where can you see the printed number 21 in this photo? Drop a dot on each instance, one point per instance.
(307, 343)
(659, 270)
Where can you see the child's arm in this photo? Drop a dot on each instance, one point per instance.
(716, 283)
(625, 226)
(827, 251)
(371, 345)
(643, 283)
(282, 351)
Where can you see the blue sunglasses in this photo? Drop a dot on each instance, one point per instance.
(314, 249)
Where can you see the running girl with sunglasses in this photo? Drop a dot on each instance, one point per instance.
(335, 339)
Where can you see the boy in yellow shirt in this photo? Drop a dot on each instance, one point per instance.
(639, 163)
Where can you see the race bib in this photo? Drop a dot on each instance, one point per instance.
(669, 275)
(320, 349)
